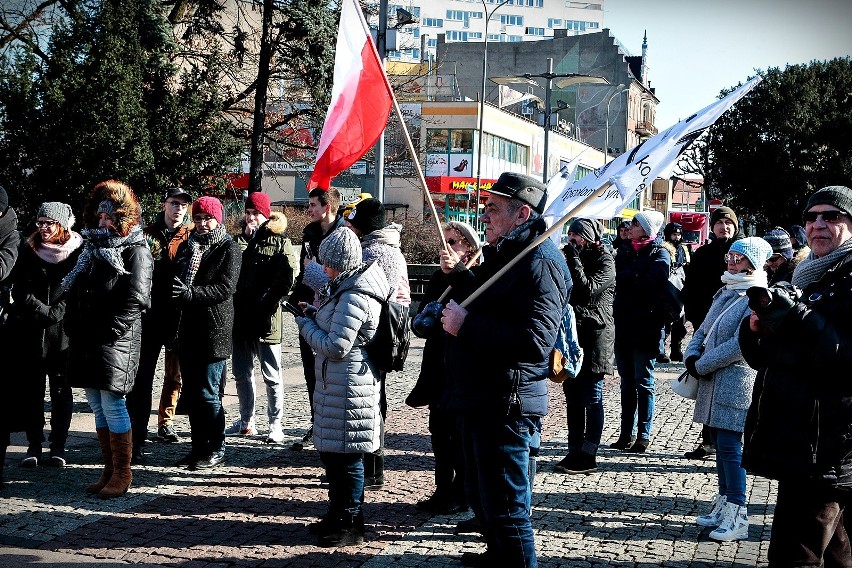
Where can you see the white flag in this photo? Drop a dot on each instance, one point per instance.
(632, 171)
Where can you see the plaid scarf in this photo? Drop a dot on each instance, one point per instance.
(103, 244)
(198, 245)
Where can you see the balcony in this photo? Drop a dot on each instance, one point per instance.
(646, 129)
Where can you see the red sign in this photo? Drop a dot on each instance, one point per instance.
(447, 184)
(714, 204)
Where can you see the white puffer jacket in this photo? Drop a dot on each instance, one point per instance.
(346, 396)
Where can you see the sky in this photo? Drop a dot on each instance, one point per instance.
(697, 48)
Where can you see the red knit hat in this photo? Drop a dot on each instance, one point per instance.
(209, 206)
(260, 202)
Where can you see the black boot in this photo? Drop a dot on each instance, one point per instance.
(623, 443)
(374, 470)
(345, 530)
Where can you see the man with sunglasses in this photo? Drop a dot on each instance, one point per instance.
(169, 229)
(799, 424)
(779, 266)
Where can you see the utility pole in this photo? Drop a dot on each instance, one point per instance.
(381, 47)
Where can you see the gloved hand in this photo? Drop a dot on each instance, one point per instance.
(570, 250)
(690, 366)
(180, 291)
(310, 311)
(772, 305)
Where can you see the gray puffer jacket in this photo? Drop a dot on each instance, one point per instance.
(725, 394)
(346, 396)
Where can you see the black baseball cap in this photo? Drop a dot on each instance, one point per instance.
(177, 191)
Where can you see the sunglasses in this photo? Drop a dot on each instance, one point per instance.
(733, 257)
(827, 216)
(775, 258)
(47, 224)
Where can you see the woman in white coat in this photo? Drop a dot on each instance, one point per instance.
(347, 420)
(724, 391)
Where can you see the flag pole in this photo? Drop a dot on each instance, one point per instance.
(420, 176)
(541, 238)
(467, 265)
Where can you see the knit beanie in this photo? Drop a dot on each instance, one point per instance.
(4, 200)
(671, 228)
(651, 221)
(466, 231)
(723, 213)
(341, 250)
(59, 212)
(260, 202)
(208, 206)
(368, 216)
(108, 207)
(838, 195)
(589, 229)
(779, 240)
(755, 249)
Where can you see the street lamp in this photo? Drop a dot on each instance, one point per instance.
(482, 102)
(561, 80)
(606, 142)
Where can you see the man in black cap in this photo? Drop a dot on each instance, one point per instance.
(798, 427)
(703, 280)
(159, 325)
(497, 362)
(592, 268)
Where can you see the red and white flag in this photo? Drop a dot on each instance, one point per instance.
(361, 99)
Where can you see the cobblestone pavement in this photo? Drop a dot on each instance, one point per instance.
(636, 510)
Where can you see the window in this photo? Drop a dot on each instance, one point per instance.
(475, 15)
(454, 35)
(554, 23)
(433, 23)
(461, 141)
(592, 25)
(474, 35)
(431, 43)
(506, 150)
(511, 20)
(495, 37)
(455, 15)
(437, 140)
(534, 31)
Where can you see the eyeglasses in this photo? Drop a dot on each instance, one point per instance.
(45, 224)
(175, 203)
(775, 258)
(827, 216)
(202, 218)
(734, 258)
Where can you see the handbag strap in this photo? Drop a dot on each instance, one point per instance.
(719, 317)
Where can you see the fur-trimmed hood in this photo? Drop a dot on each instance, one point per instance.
(277, 223)
(126, 213)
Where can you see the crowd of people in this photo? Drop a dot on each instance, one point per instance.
(95, 309)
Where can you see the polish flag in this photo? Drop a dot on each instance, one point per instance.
(361, 99)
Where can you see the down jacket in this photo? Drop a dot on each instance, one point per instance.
(724, 392)
(639, 279)
(346, 396)
(800, 424)
(502, 348)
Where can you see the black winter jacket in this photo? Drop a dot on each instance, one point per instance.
(103, 321)
(207, 320)
(163, 316)
(799, 425)
(10, 239)
(312, 237)
(504, 343)
(593, 277)
(639, 279)
(704, 278)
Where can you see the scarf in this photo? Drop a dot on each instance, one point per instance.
(54, 253)
(637, 245)
(811, 269)
(198, 245)
(105, 245)
(743, 281)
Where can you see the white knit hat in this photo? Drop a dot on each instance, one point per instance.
(58, 211)
(651, 221)
(341, 250)
(755, 249)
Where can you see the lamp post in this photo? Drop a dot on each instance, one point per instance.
(482, 102)
(606, 142)
(561, 80)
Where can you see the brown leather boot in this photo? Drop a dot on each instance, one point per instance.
(122, 451)
(106, 457)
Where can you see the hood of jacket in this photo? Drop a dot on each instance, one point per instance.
(370, 280)
(390, 235)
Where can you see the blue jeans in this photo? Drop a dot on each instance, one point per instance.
(585, 412)
(201, 396)
(729, 457)
(110, 410)
(345, 473)
(636, 369)
(242, 362)
(497, 457)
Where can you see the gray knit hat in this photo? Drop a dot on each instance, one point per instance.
(58, 211)
(838, 195)
(465, 231)
(651, 221)
(755, 249)
(779, 239)
(341, 250)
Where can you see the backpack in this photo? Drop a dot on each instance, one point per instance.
(566, 358)
(388, 348)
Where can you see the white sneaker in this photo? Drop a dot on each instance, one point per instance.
(240, 428)
(734, 525)
(717, 511)
(276, 435)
